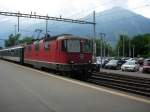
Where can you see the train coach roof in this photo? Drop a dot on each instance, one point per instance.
(63, 36)
(69, 37)
(11, 48)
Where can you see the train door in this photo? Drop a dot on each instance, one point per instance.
(21, 55)
(47, 51)
(57, 52)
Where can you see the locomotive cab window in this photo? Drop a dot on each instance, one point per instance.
(64, 45)
(87, 46)
(73, 45)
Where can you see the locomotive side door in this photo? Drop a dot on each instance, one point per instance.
(57, 52)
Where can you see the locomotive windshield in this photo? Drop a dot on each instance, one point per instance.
(87, 46)
(73, 45)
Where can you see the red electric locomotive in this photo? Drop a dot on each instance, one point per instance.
(62, 53)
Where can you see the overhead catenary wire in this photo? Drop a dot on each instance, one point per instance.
(123, 18)
(35, 16)
(139, 7)
(120, 19)
(44, 17)
(90, 10)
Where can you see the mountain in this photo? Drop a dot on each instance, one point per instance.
(115, 21)
(112, 22)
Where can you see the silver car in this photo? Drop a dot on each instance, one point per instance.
(130, 66)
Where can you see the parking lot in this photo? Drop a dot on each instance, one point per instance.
(138, 67)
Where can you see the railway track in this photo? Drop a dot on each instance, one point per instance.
(132, 84)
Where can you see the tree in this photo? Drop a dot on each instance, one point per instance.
(26, 40)
(123, 42)
(142, 45)
(108, 48)
(15, 40)
(12, 40)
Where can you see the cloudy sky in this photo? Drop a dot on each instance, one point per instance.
(73, 8)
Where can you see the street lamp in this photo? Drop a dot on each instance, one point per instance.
(101, 35)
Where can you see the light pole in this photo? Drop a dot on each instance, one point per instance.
(46, 25)
(118, 52)
(15, 26)
(94, 36)
(129, 48)
(133, 50)
(104, 46)
(18, 21)
(108, 51)
(123, 44)
(102, 35)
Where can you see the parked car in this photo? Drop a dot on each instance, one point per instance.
(114, 64)
(130, 66)
(141, 61)
(146, 65)
(130, 59)
(105, 62)
(100, 62)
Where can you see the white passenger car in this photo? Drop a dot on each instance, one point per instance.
(130, 66)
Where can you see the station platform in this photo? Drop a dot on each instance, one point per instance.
(23, 89)
(135, 74)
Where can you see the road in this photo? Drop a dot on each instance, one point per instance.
(23, 89)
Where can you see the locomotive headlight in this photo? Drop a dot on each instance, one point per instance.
(90, 61)
(71, 62)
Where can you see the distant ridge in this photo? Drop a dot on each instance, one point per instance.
(112, 22)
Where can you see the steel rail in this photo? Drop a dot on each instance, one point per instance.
(130, 84)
